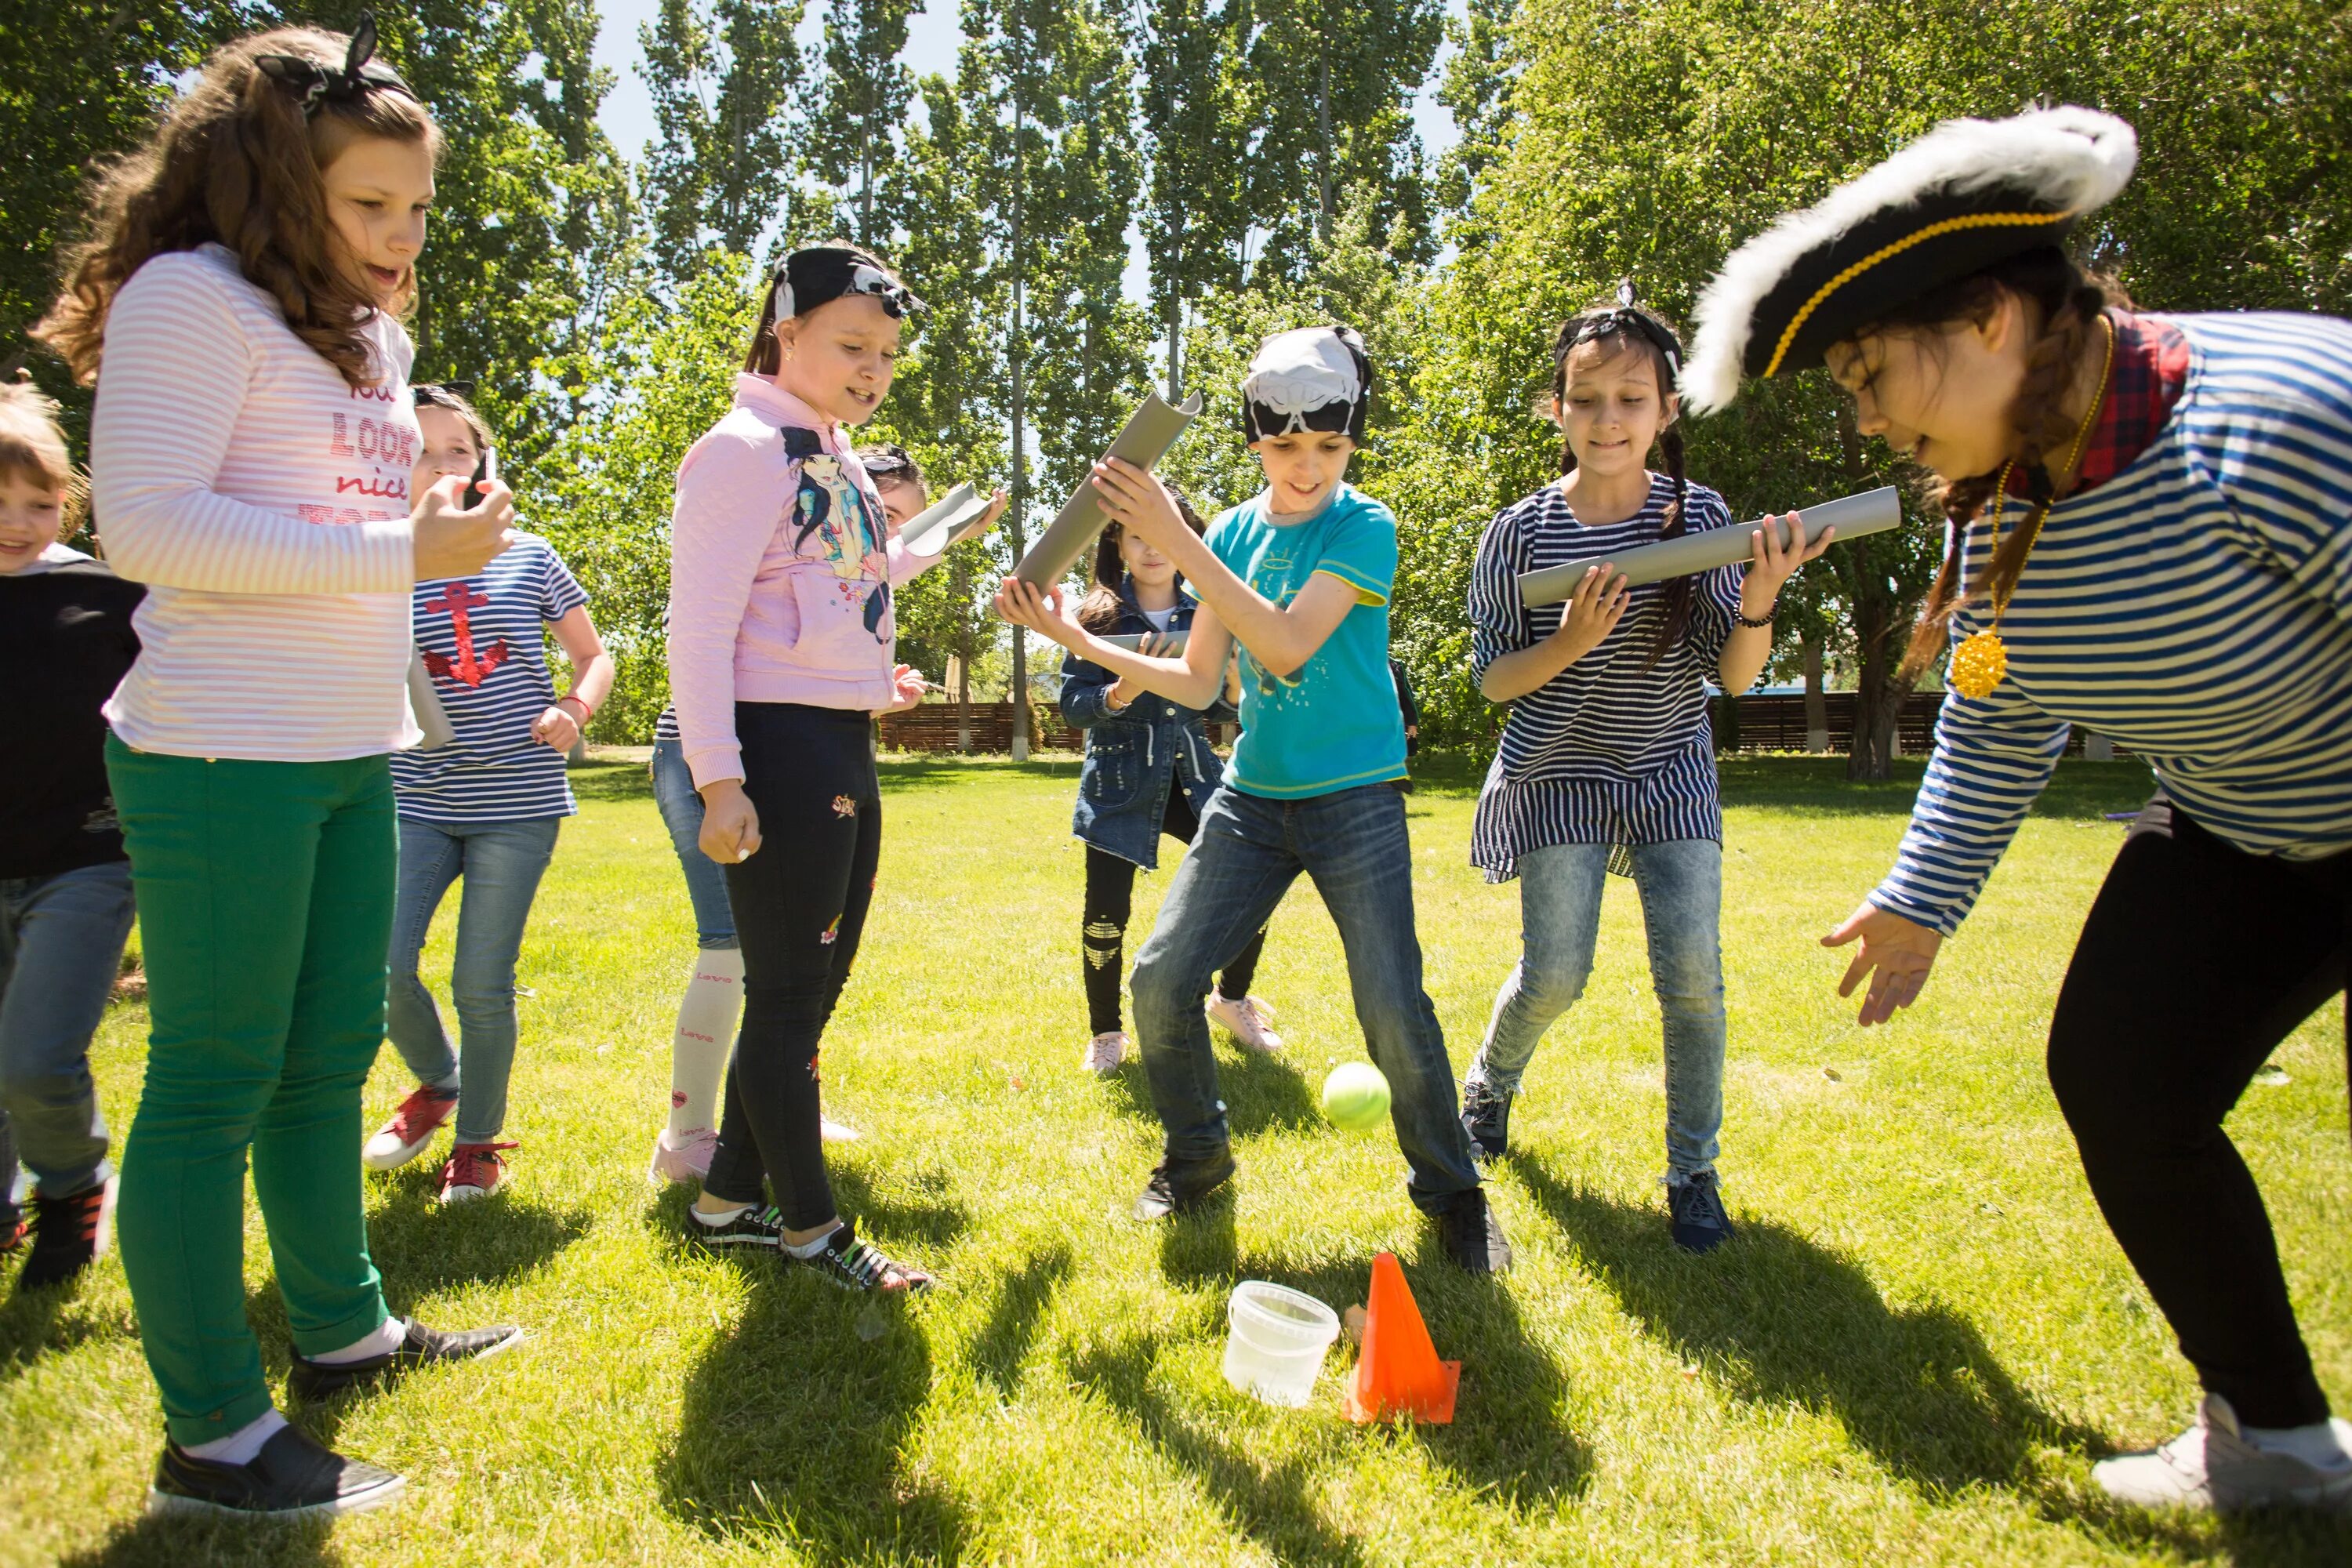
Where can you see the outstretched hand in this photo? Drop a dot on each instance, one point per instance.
(1896, 954)
(1042, 610)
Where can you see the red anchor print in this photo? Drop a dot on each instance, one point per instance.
(456, 600)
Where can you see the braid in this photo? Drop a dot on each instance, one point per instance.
(2071, 302)
(1678, 593)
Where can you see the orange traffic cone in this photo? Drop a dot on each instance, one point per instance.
(1399, 1373)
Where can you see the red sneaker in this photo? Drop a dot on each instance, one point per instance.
(411, 1127)
(473, 1171)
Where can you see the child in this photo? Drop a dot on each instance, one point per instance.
(1607, 743)
(2150, 534)
(1149, 771)
(704, 1038)
(250, 453)
(485, 806)
(780, 652)
(65, 886)
(1300, 577)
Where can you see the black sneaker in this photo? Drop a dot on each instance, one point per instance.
(1473, 1238)
(421, 1346)
(291, 1478)
(68, 1234)
(760, 1228)
(1179, 1186)
(1700, 1224)
(1487, 1116)
(855, 1264)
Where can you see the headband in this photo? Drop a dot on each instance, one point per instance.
(819, 274)
(1315, 378)
(317, 84)
(1625, 318)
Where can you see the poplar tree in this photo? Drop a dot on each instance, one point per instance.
(1198, 106)
(853, 134)
(724, 76)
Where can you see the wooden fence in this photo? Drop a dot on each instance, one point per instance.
(1773, 722)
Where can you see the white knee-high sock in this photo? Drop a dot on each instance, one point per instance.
(707, 1017)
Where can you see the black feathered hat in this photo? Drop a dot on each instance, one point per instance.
(1968, 194)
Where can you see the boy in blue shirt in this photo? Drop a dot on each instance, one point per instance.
(1299, 576)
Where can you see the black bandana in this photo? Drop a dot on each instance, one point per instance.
(1627, 320)
(317, 84)
(818, 274)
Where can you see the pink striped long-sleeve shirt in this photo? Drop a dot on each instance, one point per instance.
(780, 570)
(265, 503)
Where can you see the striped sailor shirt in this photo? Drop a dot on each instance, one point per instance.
(2197, 607)
(1605, 752)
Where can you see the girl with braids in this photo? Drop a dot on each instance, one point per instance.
(2149, 533)
(1607, 755)
(250, 456)
(1150, 770)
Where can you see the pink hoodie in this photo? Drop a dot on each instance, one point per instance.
(780, 576)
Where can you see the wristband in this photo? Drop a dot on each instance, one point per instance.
(586, 712)
(1111, 703)
(1741, 616)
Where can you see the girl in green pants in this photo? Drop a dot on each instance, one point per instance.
(250, 453)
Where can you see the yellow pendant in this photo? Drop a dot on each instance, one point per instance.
(1978, 665)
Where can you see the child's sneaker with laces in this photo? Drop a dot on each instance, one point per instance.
(855, 1265)
(412, 1126)
(1696, 1206)
(1246, 1021)
(1487, 1117)
(473, 1171)
(2214, 1466)
(760, 1228)
(1105, 1053)
(69, 1234)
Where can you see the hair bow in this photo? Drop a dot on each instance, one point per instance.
(319, 84)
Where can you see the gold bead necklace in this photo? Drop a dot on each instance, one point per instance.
(1981, 661)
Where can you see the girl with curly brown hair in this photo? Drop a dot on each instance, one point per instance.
(235, 301)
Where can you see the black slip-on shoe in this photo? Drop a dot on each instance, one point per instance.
(421, 1346)
(292, 1477)
(1699, 1223)
(1473, 1238)
(1179, 1186)
(1487, 1117)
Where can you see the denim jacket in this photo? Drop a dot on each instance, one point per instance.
(1135, 755)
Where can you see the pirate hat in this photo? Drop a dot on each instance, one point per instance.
(1962, 198)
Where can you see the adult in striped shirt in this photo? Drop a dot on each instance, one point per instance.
(484, 807)
(1608, 743)
(2150, 533)
(250, 450)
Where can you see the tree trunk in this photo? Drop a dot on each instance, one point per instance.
(1323, 125)
(1175, 347)
(1817, 708)
(1019, 508)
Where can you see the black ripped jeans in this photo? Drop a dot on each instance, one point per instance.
(1110, 901)
(800, 907)
(2197, 960)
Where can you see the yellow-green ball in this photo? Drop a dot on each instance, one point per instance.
(1356, 1097)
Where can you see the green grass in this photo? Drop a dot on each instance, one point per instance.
(1918, 1344)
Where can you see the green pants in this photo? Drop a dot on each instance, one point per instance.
(265, 909)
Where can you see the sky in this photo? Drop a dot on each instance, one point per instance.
(932, 40)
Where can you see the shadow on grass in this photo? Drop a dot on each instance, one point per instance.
(1777, 1319)
(35, 1323)
(178, 1542)
(1260, 1093)
(2078, 791)
(421, 1248)
(794, 1423)
(1003, 1346)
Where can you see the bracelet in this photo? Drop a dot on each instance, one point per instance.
(586, 712)
(1111, 706)
(1741, 616)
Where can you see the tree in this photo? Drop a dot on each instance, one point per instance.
(723, 79)
(1198, 109)
(852, 135)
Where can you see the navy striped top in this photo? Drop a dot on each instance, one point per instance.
(1605, 752)
(486, 654)
(2197, 608)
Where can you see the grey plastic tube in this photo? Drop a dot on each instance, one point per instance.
(431, 716)
(1149, 434)
(1133, 641)
(935, 527)
(1872, 511)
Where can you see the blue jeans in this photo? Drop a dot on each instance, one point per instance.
(1681, 884)
(681, 813)
(1352, 845)
(61, 941)
(501, 863)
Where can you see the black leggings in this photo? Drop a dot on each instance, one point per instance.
(1111, 900)
(2198, 959)
(800, 908)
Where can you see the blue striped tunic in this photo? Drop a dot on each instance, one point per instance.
(1605, 752)
(2197, 608)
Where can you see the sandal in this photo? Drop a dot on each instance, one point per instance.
(855, 1264)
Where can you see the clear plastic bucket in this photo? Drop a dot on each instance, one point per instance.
(1274, 1345)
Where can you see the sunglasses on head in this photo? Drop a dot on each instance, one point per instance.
(881, 462)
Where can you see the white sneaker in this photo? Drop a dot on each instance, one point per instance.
(1246, 1021)
(683, 1159)
(2214, 1466)
(1105, 1052)
(838, 1133)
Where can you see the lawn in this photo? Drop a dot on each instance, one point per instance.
(1921, 1340)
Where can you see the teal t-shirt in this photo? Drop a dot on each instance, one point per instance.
(1335, 723)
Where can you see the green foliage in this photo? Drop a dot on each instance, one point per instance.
(852, 133)
(722, 74)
